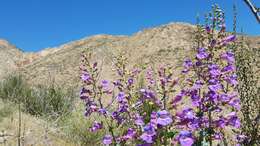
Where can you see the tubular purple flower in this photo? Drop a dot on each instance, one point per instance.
(164, 118)
(85, 77)
(130, 81)
(233, 120)
(107, 140)
(228, 39)
(121, 97)
(96, 126)
(228, 56)
(148, 134)
(139, 120)
(214, 70)
(235, 103)
(187, 63)
(232, 79)
(202, 54)
(185, 138)
(131, 133)
(215, 87)
(207, 28)
(229, 68)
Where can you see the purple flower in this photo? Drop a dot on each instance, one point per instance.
(107, 139)
(233, 120)
(218, 136)
(198, 84)
(215, 87)
(103, 111)
(207, 28)
(214, 81)
(149, 132)
(85, 77)
(228, 56)
(121, 97)
(96, 126)
(164, 118)
(186, 114)
(185, 138)
(187, 65)
(147, 94)
(221, 122)
(123, 107)
(178, 98)
(202, 54)
(195, 98)
(105, 83)
(232, 79)
(214, 70)
(228, 39)
(224, 98)
(117, 117)
(130, 81)
(84, 93)
(131, 133)
(235, 103)
(139, 120)
(229, 68)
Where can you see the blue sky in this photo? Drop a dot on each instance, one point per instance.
(36, 24)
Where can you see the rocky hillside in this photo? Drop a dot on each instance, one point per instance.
(10, 56)
(166, 43)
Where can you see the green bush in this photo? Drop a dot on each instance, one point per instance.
(40, 100)
(247, 61)
(13, 88)
(75, 126)
(48, 101)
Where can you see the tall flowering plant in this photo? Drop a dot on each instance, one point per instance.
(139, 107)
(210, 87)
(136, 113)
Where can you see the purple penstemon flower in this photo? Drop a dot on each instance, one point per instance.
(215, 87)
(214, 70)
(235, 102)
(148, 133)
(139, 120)
(96, 126)
(185, 138)
(233, 120)
(121, 97)
(187, 65)
(107, 139)
(85, 77)
(130, 81)
(230, 38)
(229, 68)
(202, 54)
(232, 79)
(228, 56)
(164, 118)
(131, 133)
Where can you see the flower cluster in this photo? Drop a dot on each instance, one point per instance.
(141, 107)
(212, 91)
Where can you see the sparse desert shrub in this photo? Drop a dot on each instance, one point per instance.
(49, 101)
(75, 127)
(40, 100)
(13, 88)
(150, 114)
(249, 93)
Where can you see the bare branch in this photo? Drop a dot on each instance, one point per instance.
(254, 10)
